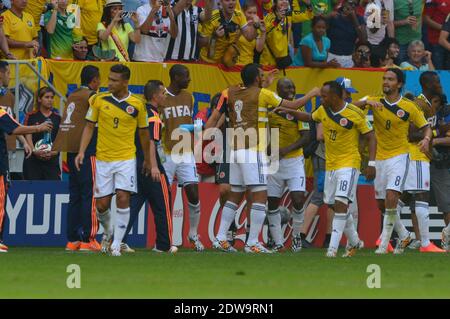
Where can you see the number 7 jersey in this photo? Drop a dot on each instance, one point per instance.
(391, 124)
(341, 132)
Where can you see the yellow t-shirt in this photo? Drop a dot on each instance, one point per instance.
(276, 39)
(117, 122)
(391, 125)
(121, 33)
(341, 133)
(290, 131)
(238, 21)
(246, 51)
(91, 14)
(36, 9)
(19, 29)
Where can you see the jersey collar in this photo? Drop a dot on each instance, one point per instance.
(124, 99)
(396, 102)
(345, 106)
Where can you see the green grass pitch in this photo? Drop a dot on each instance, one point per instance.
(42, 273)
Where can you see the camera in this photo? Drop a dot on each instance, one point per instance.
(363, 55)
(229, 27)
(126, 14)
(257, 25)
(48, 7)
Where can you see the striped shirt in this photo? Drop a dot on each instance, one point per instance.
(184, 46)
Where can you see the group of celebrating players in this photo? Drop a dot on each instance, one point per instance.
(128, 147)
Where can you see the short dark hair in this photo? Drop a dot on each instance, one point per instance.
(426, 77)
(122, 70)
(3, 66)
(177, 69)
(151, 88)
(317, 19)
(401, 78)
(249, 73)
(335, 88)
(88, 73)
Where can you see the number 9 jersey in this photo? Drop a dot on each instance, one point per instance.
(117, 122)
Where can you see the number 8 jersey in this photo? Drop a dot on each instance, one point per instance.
(391, 124)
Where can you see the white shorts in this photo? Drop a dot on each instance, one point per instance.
(248, 168)
(418, 177)
(340, 183)
(291, 172)
(111, 176)
(182, 166)
(391, 174)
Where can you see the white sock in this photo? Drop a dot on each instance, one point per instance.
(297, 221)
(122, 219)
(350, 231)
(105, 221)
(257, 216)
(390, 216)
(353, 210)
(194, 218)
(274, 218)
(339, 221)
(228, 213)
(399, 228)
(423, 219)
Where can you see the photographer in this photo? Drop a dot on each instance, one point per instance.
(345, 29)
(222, 33)
(114, 33)
(158, 26)
(362, 56)
(278, 25)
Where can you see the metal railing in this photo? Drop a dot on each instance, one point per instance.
(17, 63)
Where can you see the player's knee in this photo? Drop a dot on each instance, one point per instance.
(273, 203)
(340, 204)
(192, 193)
(297, 200)
(392, 199)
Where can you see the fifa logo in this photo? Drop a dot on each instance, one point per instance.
(70, 109)
(238, 106)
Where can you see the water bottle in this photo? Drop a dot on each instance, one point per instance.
(47, 139)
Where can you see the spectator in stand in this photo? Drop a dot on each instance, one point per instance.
(379, 16)
(278, 25)
(408, 24)
(221, 34)
(418, 58)
(314, 47)
(80, 49)
(362, 56)
(184, 46)
(36, 8)
(59, 25)
(4, 43)
(157, 24)
(380, 58)
(444, 38)
(434, 17)
(19, 29)
(91, 15)
(114, 33)
(250, 51)
(43, 164)
(320, 8)
(393, 50)
(345, 28)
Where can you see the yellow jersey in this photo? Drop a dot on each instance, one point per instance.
(117, 121)
(290, 131)
(278, 33)
(19, 29)
(246, 51)
(430, 114)
(91, 14)
(237, 22)
(391, 125)
(341, 133)
(36, 9)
